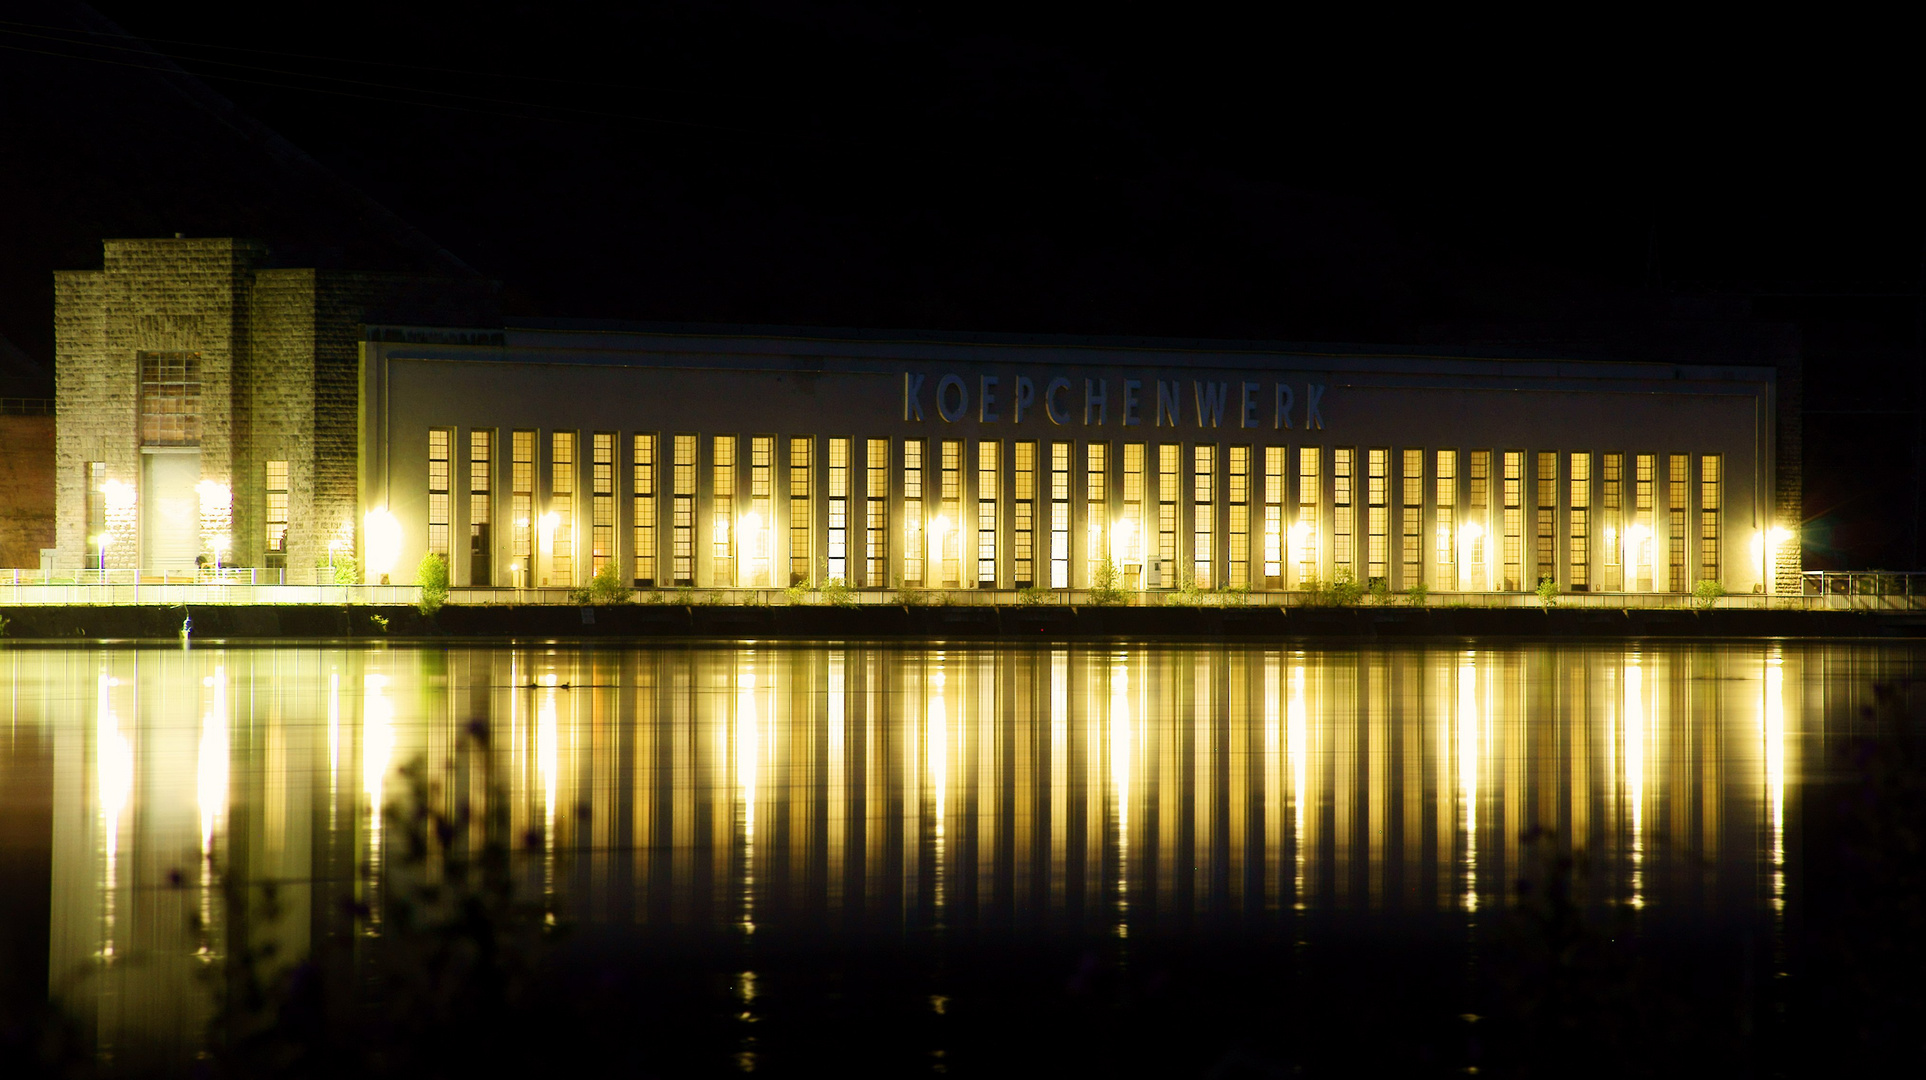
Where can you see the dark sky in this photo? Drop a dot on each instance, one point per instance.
(1162, 169)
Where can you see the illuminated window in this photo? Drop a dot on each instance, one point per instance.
(762, 466)
(1581, 522)
(1133, 504)
(1447, 514)
(1309, 489)
(1644, 476)
(1478, 506)
(1545, 551)
(276, 489)
(801, 561)
(1377, 494)
(682, 481)
(1514, 511)
(521, 495)
(1709, 477)
(986, 495)
(1167, 514)
(1274, 458)
(1023, 507)
(1678, 482)
(643, 495)
(949, 493)
(561, 503)
(1096, 479)
(839, 510)
(1203, 505)
(481, 507)
(1059, 515)
(876, 498)
(170, 399)
(914, 551)
(1237, 507)
(1611, 497)
(602, 505)
(722, 510)
(1344, 557)
(439, 442)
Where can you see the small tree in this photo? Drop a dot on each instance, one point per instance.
(432, 576)
(1706, 593)
(607, 586)
(1548, 592)
(1106, 584)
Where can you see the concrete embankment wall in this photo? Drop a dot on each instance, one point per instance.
(262, 622)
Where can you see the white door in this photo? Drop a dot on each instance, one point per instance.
(170, 519)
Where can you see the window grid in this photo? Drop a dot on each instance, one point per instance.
(276, 489)
(1478, 498)
(1411, 533)
(170, 399)
(1710, 475)
(838, 557)
(1096, 478)
(876, 521)
(1274, 457)
(1579, 530)
(481, 509)
(643, 494)
(801, 561)
(762, 464)
(722, 510)
(1645, 470)
(1134, 460)
(1237, 508)
(914, 546)
(561, 503)
(1514, 518)
(1166, 513)
(521, 488)
(1309, 492)
(1447, 496)
(949, 541)
(440, 441)
(1545, 551)
(1059, 515)
(1342, 554)
(1376, 495)
(987, 465)
(1203, 508)
(1611, 483)
(602, 500)
(682, 467)
(1677, 469)
(1023, 515)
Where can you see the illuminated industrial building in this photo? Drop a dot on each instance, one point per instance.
(534, 454)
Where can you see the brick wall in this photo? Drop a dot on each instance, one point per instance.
(26, 489)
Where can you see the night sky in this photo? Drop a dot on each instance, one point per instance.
(1140, 169)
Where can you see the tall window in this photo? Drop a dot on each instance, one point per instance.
(839, 510)
(1237, 503)
(1274, 457)
(1545, 551)
(481, 509)
(1344, 557)
(1411, 530)
(876, 498)
(914, 546)
(1096, 481)
(1644, 543)
(762, 464)
(170, 399)
(1478, 505)
(1678, 481)
(1709, 475)
(1133, 504)
(1580, 504)
(561, 503)
(602, 506)
(1203, 505)
(644, 520)
(987, 464)
(1167, 514)
(1305, 537)
(276, 489)
(521, 494)
(949, 541)
(1447, 517)
(682, 480)
(440, 441)
(722, 510)
(1059, 515)
(1023, 508)
(1377, 495)
(1514, 494)
(801, 563)
(1611, 495)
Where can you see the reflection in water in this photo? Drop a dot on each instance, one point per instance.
(1125, 790)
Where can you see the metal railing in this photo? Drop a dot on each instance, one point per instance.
(1868, 590)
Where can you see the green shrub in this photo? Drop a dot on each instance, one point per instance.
(1417, 594)
(1032, 595)
(1380, 590)
(1342, 590)
(1106, 585)
(1548, 592)
(1706, 593)
(837, 593)
(432, 576)
(799, 592)
(342, 571)
(607, 586)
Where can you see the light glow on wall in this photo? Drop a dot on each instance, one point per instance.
(384, 542)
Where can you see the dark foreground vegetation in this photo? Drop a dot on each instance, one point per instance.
(464, 970)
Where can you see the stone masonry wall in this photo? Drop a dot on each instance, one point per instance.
(26, 489)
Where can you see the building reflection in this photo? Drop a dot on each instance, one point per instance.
(759, 789)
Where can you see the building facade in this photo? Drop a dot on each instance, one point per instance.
(765, 459)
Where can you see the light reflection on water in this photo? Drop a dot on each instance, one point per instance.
(1110, 790)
